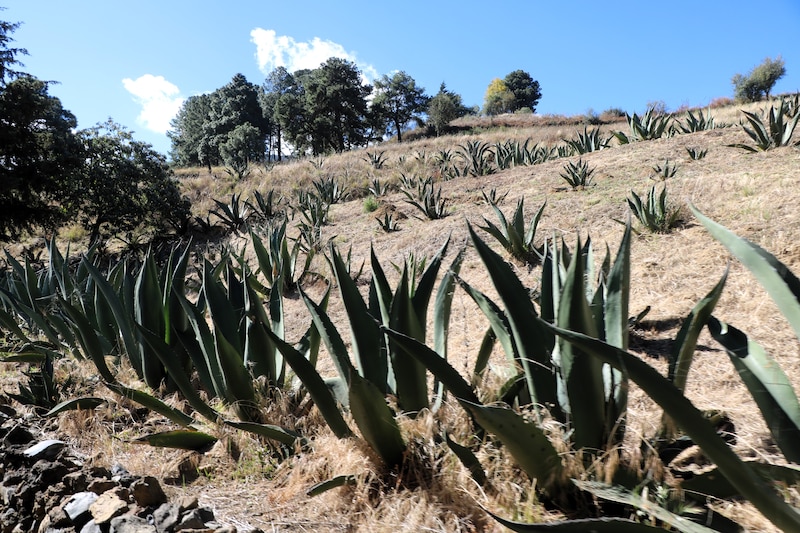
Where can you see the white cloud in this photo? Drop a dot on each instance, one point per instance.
(273, 50)
(160, 101)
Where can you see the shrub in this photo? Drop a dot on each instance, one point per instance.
(578, 175)
(759, 82)
(370, 204)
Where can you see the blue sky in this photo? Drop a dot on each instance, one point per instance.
(136, 61)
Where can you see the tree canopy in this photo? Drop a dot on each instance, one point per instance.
(758, 83)
(443, 108)
(122, 183)
(398, 100)
(50, 174)
(526, 90)
(498, 99)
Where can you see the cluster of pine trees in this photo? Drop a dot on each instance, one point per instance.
(319, 111)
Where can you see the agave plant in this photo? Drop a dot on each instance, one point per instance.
(654, 213)
(234, 214)
(387, 222)
(651, 125)
(376, 159)
(697, 123)
(777, 131)
(696, 153)
(329, 190)
(476, 157)
(588, 141)
(666, 171)
(265, 208)
(578, 174)
(378, 188)
(428, 199)
(513, 236)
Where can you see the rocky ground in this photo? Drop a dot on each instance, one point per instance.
(47, 487)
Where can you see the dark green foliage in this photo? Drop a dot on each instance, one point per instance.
(125, 186)
(443, 108)
(428, 199)
(758, 83)
(227, 127)
(654, 124)
(525, 89)
(398, 100)
(39, 156)
(654, 213)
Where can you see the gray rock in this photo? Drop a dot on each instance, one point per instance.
(77, 507)
(166, 517)
(148, 492)
(47, 449)
(131, 524)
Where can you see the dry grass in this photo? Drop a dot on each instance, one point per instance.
(755, 195)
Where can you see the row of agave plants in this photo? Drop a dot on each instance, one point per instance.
(215, 334)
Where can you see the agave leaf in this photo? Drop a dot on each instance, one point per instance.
(686, 341)
(120, 312)
(623, 496)
(410, 377)
(769, 386)
(330, 336)
(181, 439)
(364, 328)
(593, 525)
(375, 420)
(439, 367)
(582, 394)
(526, 442)
(317, 389)
(528, 337)
(84, 403)
(282, 435)
(468, 459)
(497, 319)
(484, 353)
(89, 340)
(149, 313)
(441, 315)
(692, 421)
(202, 349)
(780, 283)
(325, 486)
(152, 403)
(22, 357)
(178, 375)
(421, 296)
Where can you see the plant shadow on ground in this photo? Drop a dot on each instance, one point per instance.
(656, 338)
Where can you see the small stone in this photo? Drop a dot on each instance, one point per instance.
(18, 435)
(77, 507)
(148, 492)
(47, 449)
(166, 516)
(99, 486)
(187, 503)
(107, 506)
(131, 524)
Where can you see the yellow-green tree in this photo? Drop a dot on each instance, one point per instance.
(498, 99)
